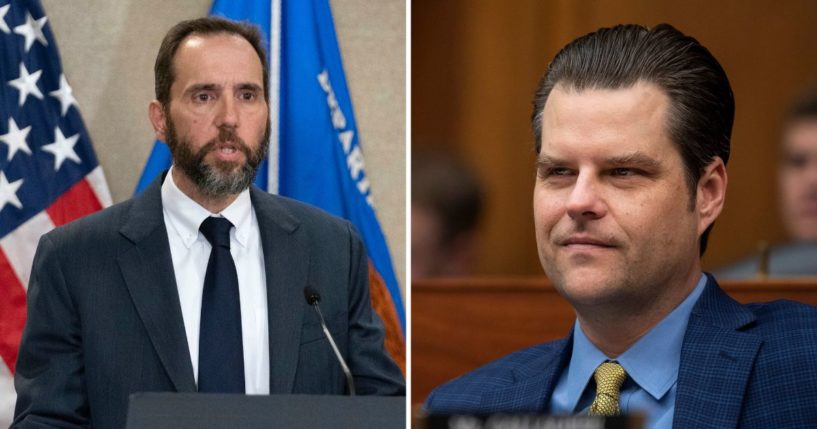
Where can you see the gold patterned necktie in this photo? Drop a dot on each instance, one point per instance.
(609, 378)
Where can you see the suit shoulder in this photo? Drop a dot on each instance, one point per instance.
(784, 366)
(328, 236)
(774, 315)
(92, 228)
(788, 329)
(308, 215)
(465, 392)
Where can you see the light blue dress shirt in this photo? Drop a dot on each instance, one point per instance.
(651, 364)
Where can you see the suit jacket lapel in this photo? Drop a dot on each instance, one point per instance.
(148, 272)
(286, 261)
(716, 360)
(534, 382)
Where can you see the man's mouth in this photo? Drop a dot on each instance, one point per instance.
(226, 149)
(585, 241)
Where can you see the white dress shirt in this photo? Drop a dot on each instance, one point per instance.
(190, 252)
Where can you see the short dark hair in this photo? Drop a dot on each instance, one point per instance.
(702, 106)
(443, 184)
(163, 69)
(803, 107)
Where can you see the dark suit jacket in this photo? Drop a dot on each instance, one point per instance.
(104, 318)
(748, 366)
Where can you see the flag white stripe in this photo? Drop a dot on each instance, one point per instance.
(7, 395)
(20, 244)
(96, 178)
(274, 95)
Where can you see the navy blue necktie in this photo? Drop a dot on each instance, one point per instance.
(221, 353)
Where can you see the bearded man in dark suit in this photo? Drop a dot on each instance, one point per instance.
(198, 283)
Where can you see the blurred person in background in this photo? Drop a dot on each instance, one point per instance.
(446, 204)
(797, 181)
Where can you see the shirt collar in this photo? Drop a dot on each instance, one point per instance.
(652, 362)
(185, 215)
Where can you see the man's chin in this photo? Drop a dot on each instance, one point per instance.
(227, 166)
(586, 285)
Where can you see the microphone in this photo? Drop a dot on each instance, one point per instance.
(313, 298)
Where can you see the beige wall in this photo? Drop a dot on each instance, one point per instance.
(108, 49)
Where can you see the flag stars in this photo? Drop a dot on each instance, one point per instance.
(64, 94)
(8, 192)
(32, 30)
(62, 148)
(27, 84)
(3, 26)
(15, 138)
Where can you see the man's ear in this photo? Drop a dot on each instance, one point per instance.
(711, 193)
(156, 113)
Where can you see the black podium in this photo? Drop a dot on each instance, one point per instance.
(202, 411)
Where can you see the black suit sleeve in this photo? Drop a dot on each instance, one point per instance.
(374, 371)
(49, 376)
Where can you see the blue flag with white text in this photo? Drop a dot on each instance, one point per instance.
(315, 154)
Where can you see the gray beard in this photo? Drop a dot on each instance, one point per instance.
(216, 180)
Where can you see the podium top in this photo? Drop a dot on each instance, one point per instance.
(202, 411)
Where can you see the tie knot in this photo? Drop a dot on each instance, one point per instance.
(217, 231)
(609, 378)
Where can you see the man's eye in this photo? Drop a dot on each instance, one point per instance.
(795, 161)
(620, 172)
(202, 97)
(559, 171)
(247, 95)
(554, 172)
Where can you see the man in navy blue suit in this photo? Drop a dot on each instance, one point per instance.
(632, 129)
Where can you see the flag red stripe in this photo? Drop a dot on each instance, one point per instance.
(78, 201)
(12, 312)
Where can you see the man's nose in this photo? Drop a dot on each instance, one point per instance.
(227, 113)
(586, 201)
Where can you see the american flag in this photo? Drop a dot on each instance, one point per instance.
(49, 174)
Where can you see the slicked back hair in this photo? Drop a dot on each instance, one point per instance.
(702, 107)
(163, 70)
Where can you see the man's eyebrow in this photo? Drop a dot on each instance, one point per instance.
(636, 159)
(201, 87)
(214, 87)
(548, 161)
(249, 85)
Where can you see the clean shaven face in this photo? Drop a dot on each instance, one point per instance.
(614, 223)
(798, 179)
